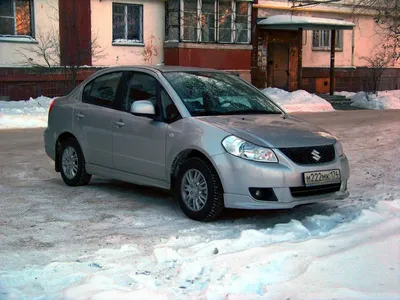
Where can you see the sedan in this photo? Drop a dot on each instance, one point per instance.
(211, 138)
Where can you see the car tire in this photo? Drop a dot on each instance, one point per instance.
(214, 203)
(71, 154)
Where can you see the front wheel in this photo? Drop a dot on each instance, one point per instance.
(72, 164)
(199, 190)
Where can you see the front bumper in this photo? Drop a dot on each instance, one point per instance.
(238, 175)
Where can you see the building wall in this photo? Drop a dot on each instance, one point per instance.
(45, 21)
(367, 35)
(153, 33)
(235, 58)
(366, 41)
(75, 32)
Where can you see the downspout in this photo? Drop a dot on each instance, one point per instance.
(352, 47)
(254, 42)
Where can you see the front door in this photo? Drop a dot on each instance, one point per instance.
(94, 118)
(280, 66)
(139, 142)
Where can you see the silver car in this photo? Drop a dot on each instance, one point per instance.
(208, 136)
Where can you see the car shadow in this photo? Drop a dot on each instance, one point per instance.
(164, 201)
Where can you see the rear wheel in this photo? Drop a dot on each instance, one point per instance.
(72, 164)
(199, 190)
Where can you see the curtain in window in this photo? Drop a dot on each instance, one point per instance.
(16, 22)
(225, 21)
(207, 21)
(189, 20)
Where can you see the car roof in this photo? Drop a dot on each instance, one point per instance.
(161, 68)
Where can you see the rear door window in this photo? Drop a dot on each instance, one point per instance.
(102, 91)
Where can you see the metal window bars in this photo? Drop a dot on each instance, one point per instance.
(208, 21)
(322, 39)
(127, 23)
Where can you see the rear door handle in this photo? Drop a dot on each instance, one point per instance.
(79, 116)
(119, 124)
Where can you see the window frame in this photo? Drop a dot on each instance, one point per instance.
(339, 40)
(32, 21)
(128, 42)
(217, 36)
(115, 103)
(159, 86)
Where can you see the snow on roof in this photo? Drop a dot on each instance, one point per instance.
(296, 22)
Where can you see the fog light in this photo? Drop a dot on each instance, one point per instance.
(264, 194)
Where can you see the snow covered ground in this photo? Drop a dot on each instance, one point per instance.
(383, 100)
(24, 114)
(298, 101)
(111, 240)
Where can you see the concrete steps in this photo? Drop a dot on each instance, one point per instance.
(339, 102)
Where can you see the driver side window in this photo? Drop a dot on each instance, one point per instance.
(141, 86)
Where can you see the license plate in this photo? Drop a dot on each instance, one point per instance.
(321, 177)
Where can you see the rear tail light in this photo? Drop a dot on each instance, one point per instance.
(52, 104)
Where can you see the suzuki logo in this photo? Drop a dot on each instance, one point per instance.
(316, 155)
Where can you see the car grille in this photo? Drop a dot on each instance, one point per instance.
(310, 155)
(304, 191)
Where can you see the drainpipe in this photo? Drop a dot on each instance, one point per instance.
(332, 70)
(300, 59)
(254, 42)
(352, 47)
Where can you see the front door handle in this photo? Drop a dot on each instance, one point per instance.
(119, 124)
(79, 116)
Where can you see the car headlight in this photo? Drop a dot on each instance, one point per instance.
(246, 150)
(339, 148)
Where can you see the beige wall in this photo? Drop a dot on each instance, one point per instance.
(46, 12)
(367, 35)
(153, 25)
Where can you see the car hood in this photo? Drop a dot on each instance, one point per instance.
(275, 131)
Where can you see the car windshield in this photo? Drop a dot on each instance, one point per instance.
(214, 93)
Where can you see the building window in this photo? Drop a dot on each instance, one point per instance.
(322, 40)
(16, 17)
(208, 21)
(127, 23)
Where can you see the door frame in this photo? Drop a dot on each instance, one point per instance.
(270, 62)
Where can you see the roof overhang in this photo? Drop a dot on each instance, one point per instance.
(289, 22)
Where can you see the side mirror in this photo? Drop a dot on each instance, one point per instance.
(143, 108)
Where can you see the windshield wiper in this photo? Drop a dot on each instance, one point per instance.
(251, 112)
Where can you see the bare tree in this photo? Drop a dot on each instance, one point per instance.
(378, 62)
(386, 14)
(45, 55)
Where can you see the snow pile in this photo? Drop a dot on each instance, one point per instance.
(348, 95)
(24, 114)
(298, 101)
(383, 100)
(338, 254)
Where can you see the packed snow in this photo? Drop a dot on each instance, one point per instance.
(381, 100)
(126, 42)
(33, 112)
(303, 20)
(24, 114)
(298, 101)
(111, 240)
